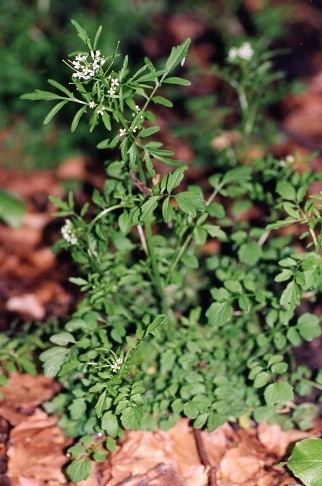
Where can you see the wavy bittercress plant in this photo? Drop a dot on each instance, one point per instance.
(163, 331)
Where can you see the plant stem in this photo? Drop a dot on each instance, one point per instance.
(155, 271)
(212, 476)
(103, 213)
(312, 233)
(313, 383)
(188, 238)
(181, 251)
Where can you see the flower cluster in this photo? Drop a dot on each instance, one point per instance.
(114, 85)
(87, 65)
(245, 52)
(68, 234)
(101, 110)
(116, 364)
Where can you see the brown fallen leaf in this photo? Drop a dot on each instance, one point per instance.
(186, 455)
(239, 465)
(72, 168)
(144, 451)
(226, 139)
(25, 392)
(36, 454)
(276, 440)
(26, 304)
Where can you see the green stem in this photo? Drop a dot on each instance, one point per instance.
(103, 213)
(188, 238)
(154, 266)
(313, 383)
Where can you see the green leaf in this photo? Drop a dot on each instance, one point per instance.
(286, 190)
(215, 420)
(278, 393)
(82, 34)
(99, 455)
(97, 36)
(200, 235)
(107, 121)
(287, 262)
(290, 297)
(174, 179)
(160, 100)
(190, 202)
(54, 111)
(77, 281)
(293, 336)
(110, 424)
(60, 87)
(262, 379)
(191, 410)
(238, 174)
(12, 209)
(283, 276)
(79, 469)
(77, 118)
(216, 210)
(176, 80)
(53, 358)
(219, 313)
(146, 132)
(77, 408)
(309, 326)
(167, 210)
(215, 231)
(102, 404)
(39, 94)
(149, 207)
(132, 417)
(62, 338)
(124, 222)
(177, 55)
(190, 261)
(110, 444)
(306, 461)
(156, 323)
(250, 253)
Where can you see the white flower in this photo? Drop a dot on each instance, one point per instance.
(233, 53)
(137, 108)
(290, 159)
(111, 91)
(116, 364)
(86, 66)
(122, 132)
(134, 129)
(245, 52)
(101, 110)
(92, 104)
(115, 82)
(67, 232)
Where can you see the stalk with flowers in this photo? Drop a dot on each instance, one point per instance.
(163, 331)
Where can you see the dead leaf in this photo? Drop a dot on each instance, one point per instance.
(36, 454)
(186, 455)
(239, 466)
(26, 392)
(226, 139)
(277, 440)
(27, 304)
